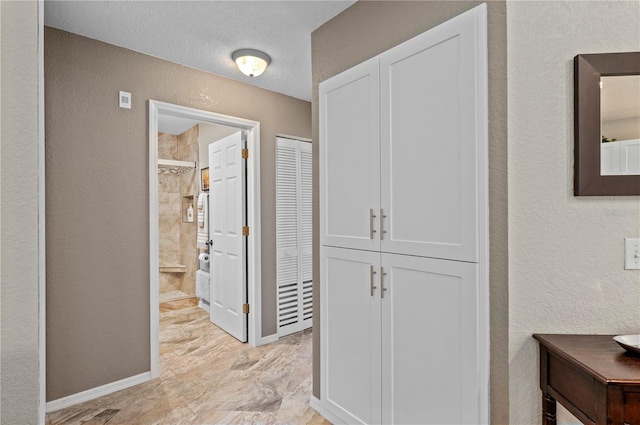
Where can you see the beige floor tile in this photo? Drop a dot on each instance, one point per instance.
(209, 377)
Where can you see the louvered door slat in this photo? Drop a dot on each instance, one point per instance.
(294, 235)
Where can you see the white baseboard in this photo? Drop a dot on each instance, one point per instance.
(203, 305)
(100, 391)
(268, 339)
(316, 405)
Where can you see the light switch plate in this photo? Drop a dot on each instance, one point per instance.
(632, 254)
(125, 99)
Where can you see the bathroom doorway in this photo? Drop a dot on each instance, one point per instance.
(178, 167)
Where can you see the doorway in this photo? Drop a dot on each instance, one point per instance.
(158, 110)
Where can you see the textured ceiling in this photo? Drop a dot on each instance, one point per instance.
(203, 34)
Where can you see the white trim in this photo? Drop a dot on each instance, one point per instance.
(482, 132)
(42, 263)
(268, 339)
(154, 243)
(286, 136)
(204, 306)
(175, 163)
(253, 217)
(316, 404)
(96, 392)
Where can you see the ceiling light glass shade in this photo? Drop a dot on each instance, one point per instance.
(251, 62)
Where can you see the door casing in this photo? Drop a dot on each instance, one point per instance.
(254, 277)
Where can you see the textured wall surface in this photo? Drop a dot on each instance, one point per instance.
(19, 378)
(565, 253)
(97, 199)
(369, 28)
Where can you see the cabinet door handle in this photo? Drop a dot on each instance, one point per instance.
(372, 216)
(382, 217)
(382, 288)
(373, 272)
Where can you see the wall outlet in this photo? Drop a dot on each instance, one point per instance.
(125, 99)
(632, 254)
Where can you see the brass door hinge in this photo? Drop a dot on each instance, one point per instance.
(245, 230)
(245, 308)
(245, 153)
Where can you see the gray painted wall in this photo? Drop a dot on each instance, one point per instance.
(369, 28)
(19, 383)
(97, 199)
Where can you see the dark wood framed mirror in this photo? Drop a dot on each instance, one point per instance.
(591, 72)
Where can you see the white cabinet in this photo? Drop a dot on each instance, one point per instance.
(350, 158)
(396, 336)
(429, 341)
(620, 158)
(350, 337)
(432, 115)
(399, 140)
(403, 209)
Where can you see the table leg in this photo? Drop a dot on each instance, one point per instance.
(548, 410)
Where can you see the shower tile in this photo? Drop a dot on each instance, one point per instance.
(169, 204)
(169, 258)
(168, 183)
(168, 283)
(189, 183)
(188, 145)
(178, 304)
(167, 146)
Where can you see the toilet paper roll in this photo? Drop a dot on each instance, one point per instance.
(204, 258)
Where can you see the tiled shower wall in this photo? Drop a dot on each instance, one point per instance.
(177, 237)
(188, 151)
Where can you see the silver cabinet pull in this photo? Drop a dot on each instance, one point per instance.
(372, 216)
(382, 217)
(373, 272)
(382, 288)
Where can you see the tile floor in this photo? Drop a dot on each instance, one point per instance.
(208, 377)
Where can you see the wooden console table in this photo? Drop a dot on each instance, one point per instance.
(591, 376)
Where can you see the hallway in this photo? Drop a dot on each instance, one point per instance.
(208, 377)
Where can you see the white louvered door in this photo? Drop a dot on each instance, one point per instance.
(293, 234)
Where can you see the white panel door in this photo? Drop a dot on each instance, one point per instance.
(433, 133)
(430, 369)
(350, 334)
(350, 158)
(293, 235)
(226, 219)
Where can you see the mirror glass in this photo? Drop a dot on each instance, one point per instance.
(620, 125)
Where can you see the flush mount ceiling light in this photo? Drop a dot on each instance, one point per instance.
(251, 62)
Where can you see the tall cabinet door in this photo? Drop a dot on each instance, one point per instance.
(433, 133)
(350, 334)
(429, 341)
(349, 158)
